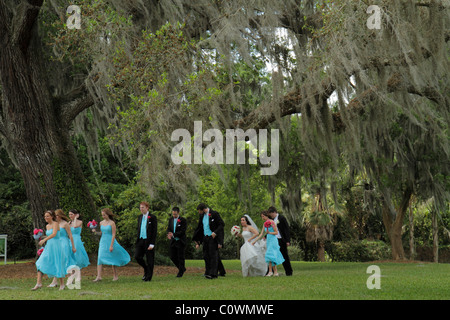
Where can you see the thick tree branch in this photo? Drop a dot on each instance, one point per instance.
(71, 110)
(290, 104)
(24, 21)
(75, 102)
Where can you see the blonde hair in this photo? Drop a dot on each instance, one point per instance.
(61, 214)
(109, 213)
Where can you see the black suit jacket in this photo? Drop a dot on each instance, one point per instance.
(283, 228)
(180, 230)
(216, 225)
(152, 229)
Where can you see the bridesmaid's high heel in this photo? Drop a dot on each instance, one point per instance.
(269, 274)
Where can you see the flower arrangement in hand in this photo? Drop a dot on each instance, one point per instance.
(92, 224)
(235, 230)
(39, 252)
(37, 234)
(267, 224)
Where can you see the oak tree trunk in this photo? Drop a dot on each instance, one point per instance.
(32, 124)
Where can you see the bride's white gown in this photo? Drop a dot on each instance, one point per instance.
(252, 257)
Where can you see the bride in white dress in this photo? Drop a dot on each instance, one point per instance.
(252, 257)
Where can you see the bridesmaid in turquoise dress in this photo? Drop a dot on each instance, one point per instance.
(273, 254)
(110, 252)
(50, 261)
(81, 256)
(67, 244)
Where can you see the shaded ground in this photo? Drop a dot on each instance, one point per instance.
(28, 270)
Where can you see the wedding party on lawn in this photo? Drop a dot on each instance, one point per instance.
(62, 250)
(246, 150)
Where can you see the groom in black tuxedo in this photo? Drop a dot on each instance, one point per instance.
(284, 238)
(145, 243)
(210, 233)
(176, 233)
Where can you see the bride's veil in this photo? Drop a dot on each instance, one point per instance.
(253, 224)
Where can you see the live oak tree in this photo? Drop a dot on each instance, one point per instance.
(36, 117)
(377, 98)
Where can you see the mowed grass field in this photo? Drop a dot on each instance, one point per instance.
(311, 281)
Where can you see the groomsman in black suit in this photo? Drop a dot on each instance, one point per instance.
(284, 238)
(210, 233)
(145, 243)
(176, 233)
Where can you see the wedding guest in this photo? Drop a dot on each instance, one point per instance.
(209, 232)
(251, 256)
(76, 225)
(147, 229)
(273, 254)
(66, 242)
(176, 233)
(283, 236)
(220, 268)
(50, 261)
(110, 252)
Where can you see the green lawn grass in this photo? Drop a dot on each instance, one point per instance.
(311, 280)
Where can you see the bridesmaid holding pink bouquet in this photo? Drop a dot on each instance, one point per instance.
(51, 260)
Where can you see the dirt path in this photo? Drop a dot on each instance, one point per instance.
(28, 270)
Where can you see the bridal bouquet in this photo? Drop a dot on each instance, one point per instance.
(37, 234)
(235, 230)
(92, 224)
(267, 224)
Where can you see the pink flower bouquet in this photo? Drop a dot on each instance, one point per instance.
(37, 234)
(92, 224)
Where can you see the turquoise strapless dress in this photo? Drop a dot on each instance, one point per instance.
(51, 261)
(66, 247)
(81, 256)
(118, 257)
(273, 253)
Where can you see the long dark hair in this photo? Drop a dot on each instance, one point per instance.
(75, 211)
(246, 219)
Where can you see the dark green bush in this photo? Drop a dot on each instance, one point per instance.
(359, 251)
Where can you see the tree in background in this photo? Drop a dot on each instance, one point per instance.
(390, 85)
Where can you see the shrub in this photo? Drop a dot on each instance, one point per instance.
(295, 252)
(359, 251)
